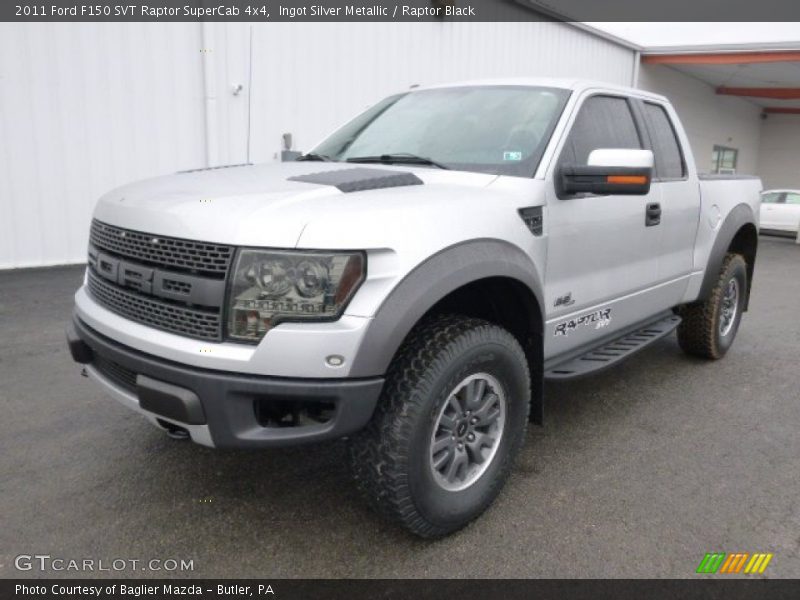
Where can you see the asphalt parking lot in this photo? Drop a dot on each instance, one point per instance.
(638, 471)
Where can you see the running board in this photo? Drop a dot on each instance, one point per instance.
(615, 351)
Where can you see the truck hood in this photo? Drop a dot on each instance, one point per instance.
(260, 205)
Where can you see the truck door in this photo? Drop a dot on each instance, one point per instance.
(602, 259)
(679, 199)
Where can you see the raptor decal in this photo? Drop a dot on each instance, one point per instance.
(599, 318)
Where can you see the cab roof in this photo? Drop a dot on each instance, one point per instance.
(574, 84)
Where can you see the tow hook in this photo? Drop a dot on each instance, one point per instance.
(176, 432)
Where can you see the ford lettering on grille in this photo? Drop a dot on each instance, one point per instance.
(191, 289)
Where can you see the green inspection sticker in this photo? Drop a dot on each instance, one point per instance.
(512, 155)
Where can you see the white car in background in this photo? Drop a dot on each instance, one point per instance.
(780, 212)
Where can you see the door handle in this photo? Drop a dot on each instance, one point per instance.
(652, 215)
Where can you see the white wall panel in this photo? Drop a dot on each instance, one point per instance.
(709, 118)
(84, 108)
(310, 78)
(228, 67)
(779, 156)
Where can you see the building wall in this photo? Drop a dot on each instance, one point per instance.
(87, 107)
(779, 157)
(709, 119)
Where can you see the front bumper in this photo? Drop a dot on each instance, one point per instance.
(219, 408)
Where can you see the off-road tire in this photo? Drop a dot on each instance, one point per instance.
(389, 459)
(699, 332)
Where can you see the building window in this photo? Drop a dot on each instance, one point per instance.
(723, 159)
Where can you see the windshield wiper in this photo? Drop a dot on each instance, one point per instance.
(398, 157)
(314, 156)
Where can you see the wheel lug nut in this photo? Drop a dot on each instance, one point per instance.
(471, 437)
(461, 446)
(473, 420)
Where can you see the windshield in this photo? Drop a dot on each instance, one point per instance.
(489, 129)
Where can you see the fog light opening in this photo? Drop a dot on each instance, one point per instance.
(292, 413)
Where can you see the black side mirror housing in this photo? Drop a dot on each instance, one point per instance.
(575, 179)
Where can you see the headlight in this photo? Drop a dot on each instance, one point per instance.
(270, 286)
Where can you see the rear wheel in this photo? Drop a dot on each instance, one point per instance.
(451, 419)
(709, 328)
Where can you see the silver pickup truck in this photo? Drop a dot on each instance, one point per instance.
(411, 282)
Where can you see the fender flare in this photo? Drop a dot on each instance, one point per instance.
(737, 218)
(429, 282)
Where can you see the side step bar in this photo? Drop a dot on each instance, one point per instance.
(613, 352)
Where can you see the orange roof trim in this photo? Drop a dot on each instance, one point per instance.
(766, 92)
(782, 110)
(722, 58)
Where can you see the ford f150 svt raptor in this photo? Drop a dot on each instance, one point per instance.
(411, 282)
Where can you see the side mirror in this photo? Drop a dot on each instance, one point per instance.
(609, 171)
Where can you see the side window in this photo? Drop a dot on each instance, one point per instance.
(666, 148)
(792, 198)
(603, 122)
(772, 198)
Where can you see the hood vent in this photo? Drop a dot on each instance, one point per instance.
(360, 179)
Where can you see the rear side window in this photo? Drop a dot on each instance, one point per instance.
(666, 149)
(603, 122)
(772, 197)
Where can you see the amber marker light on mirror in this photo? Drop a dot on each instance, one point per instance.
(627, 179)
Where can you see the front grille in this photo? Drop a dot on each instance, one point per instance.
(171, 284)
(172, 317)
(120, 375)
(174, 253)
(179, 287)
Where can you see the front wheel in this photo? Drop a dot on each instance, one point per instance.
(708, 328)
(450, 421)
